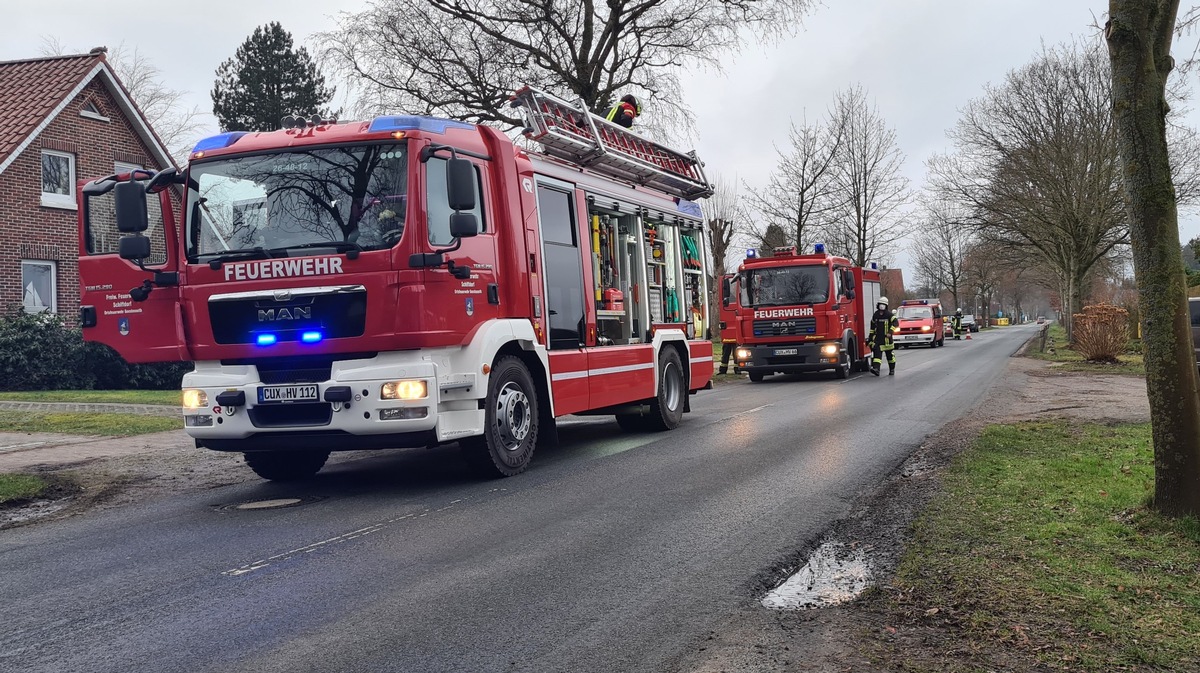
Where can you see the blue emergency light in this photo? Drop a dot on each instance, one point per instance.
(415, 123)
(819, 248)
(266, 339)
(751, 253)
(218, 142)
(311, 337)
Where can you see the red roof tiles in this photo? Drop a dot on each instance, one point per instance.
(30, 90)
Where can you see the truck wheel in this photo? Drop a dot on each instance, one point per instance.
(286, 465)
(756, 377)
(510, 422)
(666, 410)
(843, 368)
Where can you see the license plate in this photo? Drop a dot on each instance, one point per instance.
(786, 351)
(268, 394)
(908, 337)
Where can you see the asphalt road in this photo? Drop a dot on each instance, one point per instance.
(614, 552)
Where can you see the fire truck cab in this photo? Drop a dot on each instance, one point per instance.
(408, 281)
(803, 313)
(920, 323)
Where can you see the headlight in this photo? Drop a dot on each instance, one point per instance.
(742, 353)
(411, 389)
(925, 328)
(195, 399)
(829, 349)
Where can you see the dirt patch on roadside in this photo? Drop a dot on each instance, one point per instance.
(831, 639)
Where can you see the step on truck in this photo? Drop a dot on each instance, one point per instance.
(408, 282)
(802, 313)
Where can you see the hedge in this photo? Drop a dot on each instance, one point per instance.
(42, 351)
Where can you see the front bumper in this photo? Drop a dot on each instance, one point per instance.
(913, 339)
(801, 357)
(363, 421)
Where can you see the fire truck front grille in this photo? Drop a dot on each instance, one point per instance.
(241, 321)
(297, 415)
(789, 327)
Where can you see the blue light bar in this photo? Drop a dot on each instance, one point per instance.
(218, 142)
(751, 253)
(415, 123)
(311, 337)
(266, 339)
(819, 248)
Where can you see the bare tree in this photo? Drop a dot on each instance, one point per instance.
(940, 245)
(867, 179)
(463, 58)
(164, 108)
(726, 220)
(801, 193)
(983, 271)
(1036, 161)
(1139, 37)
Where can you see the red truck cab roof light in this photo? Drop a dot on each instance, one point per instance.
(784, 251)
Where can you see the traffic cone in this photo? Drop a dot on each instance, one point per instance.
(968, 335)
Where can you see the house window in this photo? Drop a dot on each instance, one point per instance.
(58, 179)
(90, 111)
(39, 286)
(123, 167)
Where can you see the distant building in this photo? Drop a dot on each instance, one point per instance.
(62, 119)
(892, 283)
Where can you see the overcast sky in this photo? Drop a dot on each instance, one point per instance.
(921, 60)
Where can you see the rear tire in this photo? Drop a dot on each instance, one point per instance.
(510, 425)
(666, 410)
(286, 465)
(756, 377)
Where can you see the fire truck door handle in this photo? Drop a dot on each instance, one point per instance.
(532, 263)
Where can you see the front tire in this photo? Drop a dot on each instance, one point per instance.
(286, 465)
(843, 369)
(510, 424)
(756, 377)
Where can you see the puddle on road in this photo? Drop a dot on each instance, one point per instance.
(834, 574)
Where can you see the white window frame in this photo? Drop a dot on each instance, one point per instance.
(64, 201)
(98, 116)
(52, 306)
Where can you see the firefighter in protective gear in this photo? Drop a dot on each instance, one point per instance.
(883, 326)
(956, 323)
(625, 111)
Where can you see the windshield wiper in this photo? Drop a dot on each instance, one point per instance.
(340, 246)
(217, 258)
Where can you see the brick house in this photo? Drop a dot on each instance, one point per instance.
(62, 119)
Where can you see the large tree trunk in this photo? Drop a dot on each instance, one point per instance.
(1139, 41)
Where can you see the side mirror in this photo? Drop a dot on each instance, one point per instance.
(464, 225)
(130, 204)
(726, 290)
(134, 247)
(460, 184)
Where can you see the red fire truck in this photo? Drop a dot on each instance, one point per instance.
(408, 281)
(920, 323)
(803, 313)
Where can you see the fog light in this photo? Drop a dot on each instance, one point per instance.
(194, 399)
(829, 349)
(403, 414)
(742, 353)
(411, 389)
(198, 421)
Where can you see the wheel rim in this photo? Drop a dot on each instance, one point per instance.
(672, 386)
(514, 416)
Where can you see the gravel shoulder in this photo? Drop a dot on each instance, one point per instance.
(760, 640)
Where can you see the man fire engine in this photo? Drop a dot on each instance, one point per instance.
(803, 313)
(409, 281)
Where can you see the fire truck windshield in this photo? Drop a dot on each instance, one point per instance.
(786, 285)
(346, 197)
(914, 312)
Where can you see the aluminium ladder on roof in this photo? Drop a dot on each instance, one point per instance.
(568, 131)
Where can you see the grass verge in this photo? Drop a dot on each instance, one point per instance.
(163, 397)
(73, 423)
(1040, 553)
(1071, 361)
(19, 487)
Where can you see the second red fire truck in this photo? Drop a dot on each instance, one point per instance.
(802, 313)
(408, 281)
